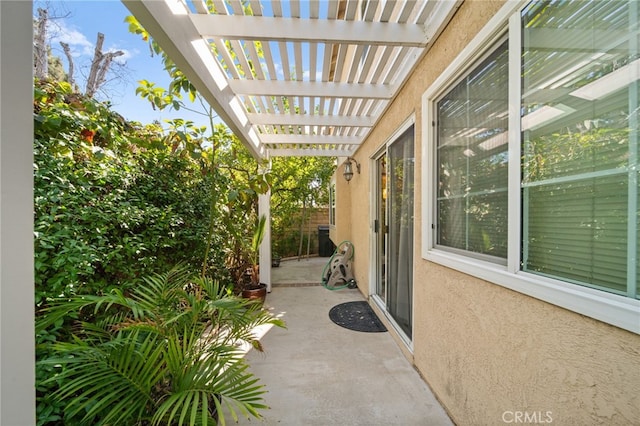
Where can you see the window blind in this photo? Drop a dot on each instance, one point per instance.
(580, 143)
(472, 159)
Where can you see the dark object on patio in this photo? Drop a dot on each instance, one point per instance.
(357, 316)
(325, 245)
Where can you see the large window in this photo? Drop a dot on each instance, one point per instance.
(534, 151)
(580, 142)
(472, 159)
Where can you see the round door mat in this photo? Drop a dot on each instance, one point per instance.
(357, 316)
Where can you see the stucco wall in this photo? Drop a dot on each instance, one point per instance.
(352, 217)
(487, 351)
(342, 229)
(491, 355)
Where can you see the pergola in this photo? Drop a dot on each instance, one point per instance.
(296, 77)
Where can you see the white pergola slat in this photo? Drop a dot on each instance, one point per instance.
(296, 77)
(290, 139)
(308, 88)
(311, 120)
(295, 29)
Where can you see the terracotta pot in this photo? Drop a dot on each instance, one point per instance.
(255, 293)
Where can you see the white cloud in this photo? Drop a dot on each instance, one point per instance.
(279, 72)
(78, 42)
(128, 54)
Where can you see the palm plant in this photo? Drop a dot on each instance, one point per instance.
(168, 353)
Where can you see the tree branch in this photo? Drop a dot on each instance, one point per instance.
(99, 67)
(40, 48)
(67, 52)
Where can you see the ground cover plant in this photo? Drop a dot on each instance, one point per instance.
(167, 353)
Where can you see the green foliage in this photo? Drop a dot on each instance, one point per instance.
(112, 203)
(116, 202)
(295, 183)
(299, 183)
(166, 354)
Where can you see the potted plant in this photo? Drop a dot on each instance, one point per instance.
(252, 287)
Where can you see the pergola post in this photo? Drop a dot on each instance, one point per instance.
(264, 208)
(17, 346)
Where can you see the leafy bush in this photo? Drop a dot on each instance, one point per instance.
(114, 202)
(166, 354)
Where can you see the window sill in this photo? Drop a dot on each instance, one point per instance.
(619, 311)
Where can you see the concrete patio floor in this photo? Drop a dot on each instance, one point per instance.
(318, 373)
(303, 272)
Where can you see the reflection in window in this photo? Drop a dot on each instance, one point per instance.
(580, 67)
(472, 160)
(332, 204)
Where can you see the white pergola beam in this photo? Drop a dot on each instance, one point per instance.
(288, 139)
(242, 27)
(176, 35)
(306, 152)
(249, 92)
(311, 120)
(311, 88)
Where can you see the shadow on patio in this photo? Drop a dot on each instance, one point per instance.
(318, 373)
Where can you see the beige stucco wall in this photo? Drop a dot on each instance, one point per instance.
(487, 352)
(341, 230)
(352, 217)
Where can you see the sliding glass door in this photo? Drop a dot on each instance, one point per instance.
(393, 228)
(380, 227)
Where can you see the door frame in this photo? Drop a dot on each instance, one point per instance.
(373, 205)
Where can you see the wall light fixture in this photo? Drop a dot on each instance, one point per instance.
(348, 168)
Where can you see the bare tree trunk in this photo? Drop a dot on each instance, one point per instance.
(67, 52)
(95, 64)
(106, 64)
(40, 48)
(99, 67)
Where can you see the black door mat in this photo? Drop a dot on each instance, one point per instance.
(357, 316)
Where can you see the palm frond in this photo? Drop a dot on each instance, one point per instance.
(258, 234)
(99, 378)
(60, 309)
(168, 354)
(161, 290)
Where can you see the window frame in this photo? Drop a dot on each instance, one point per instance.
(486, 52)
(332, 202)
(617, 310)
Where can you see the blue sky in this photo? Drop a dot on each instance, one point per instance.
(78, 23)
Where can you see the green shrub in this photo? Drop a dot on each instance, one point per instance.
(113, 202)
(167, 354)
